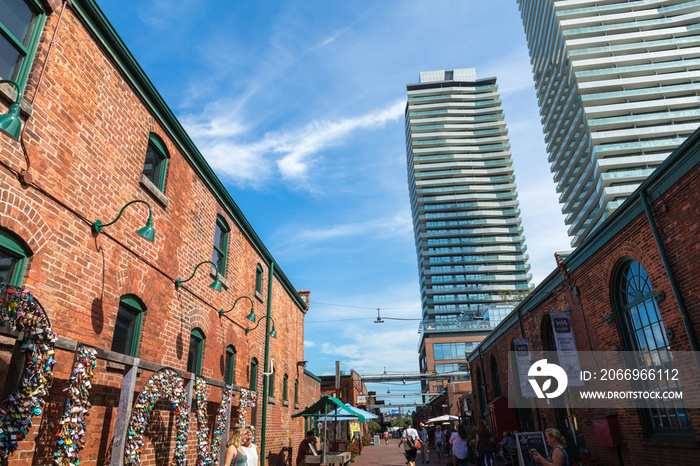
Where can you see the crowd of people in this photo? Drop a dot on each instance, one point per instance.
(451, 444)
(453, 447)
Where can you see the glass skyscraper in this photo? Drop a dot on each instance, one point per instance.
(617, 85)
(468, 233)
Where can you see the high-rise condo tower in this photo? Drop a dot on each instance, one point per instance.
(469, 239)
(617, 85)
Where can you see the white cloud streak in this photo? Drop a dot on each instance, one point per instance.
(289, 154)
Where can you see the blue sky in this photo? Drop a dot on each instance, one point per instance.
(298, 106)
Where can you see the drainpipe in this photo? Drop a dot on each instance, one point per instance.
(266, 363)
(671, 278)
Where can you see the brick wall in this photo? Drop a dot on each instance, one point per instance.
(86, 140)
(677, 215)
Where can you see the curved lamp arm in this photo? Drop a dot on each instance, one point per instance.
(250, 316)
(216, 285)
(147, 232)
(10, 123)
(273, 332)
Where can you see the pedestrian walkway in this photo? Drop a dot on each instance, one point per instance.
(389, 455)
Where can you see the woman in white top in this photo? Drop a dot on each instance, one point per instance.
(460, 446)
(249, 448)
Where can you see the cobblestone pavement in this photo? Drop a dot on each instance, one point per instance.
(390, 455)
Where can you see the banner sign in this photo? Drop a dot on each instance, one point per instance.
(522, 356)
(566, 347)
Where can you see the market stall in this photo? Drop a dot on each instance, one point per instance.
(322, 410)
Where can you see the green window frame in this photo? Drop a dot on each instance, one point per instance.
(296, 391)
(230, 365)
(221, 234)
(19, 37)
(196, 351)
(14, 255)
(253, 374)
(642, 331)
(271, 384)
(285, 387)
(258, 278)
(155, 166)
(127, 326)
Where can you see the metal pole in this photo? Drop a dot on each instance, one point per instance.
(266, 369)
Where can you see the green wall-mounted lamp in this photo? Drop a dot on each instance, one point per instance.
(251, 317)
(148, 232)
(10, 123)
(216, 284)
(252, 309)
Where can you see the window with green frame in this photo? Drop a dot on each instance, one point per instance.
(156, 164)
(258, 278)
(127, 328)
(285, 387)
(253, 374)
(13, 258)
(196, 351)
(221, 234)
(21, 23)
(271, 384)
(230, 365)
(296, 392)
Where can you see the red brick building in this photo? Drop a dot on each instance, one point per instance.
(95, 136)
(642, 261)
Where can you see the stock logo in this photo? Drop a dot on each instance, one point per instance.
(543, 369)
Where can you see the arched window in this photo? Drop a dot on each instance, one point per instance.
(271, 384)
(285, 387)
(495, 378)
(127, 327)
(254, 374)
(296, 391)
(230, 365)
(156, 164)
(13, 258)
(196, 351)
(258, 278)
(221, 234)
(643, 331)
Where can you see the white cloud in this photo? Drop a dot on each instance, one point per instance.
(290, 154)
(396, 225)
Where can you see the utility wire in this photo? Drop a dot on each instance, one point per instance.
(363, 307)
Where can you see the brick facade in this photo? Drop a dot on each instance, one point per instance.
(86, 141)
(584, 285)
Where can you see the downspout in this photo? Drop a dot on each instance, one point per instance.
(671, 278)
(267, 358)
(522, 335)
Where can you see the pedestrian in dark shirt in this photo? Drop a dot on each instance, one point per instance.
(305, 448)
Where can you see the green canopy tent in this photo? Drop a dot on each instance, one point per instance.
(322, 407)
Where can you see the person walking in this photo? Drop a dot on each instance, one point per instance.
(483, 444)
(439, 443)
(424, 450)
(234, 455)
(409, 437)
(386, 437)
(248, 447)
(557, 454)
(449, 458)
(460, 447)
